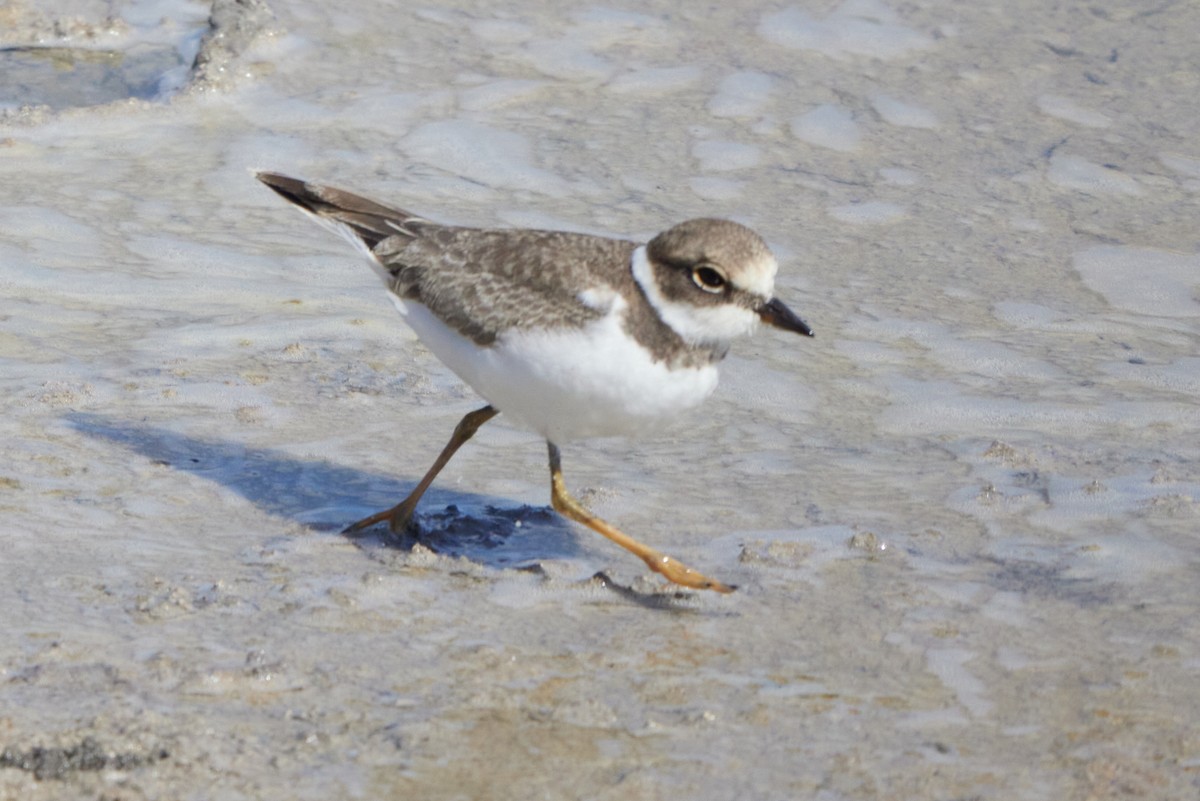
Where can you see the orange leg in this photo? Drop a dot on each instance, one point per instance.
(673, 570)
(399, 515)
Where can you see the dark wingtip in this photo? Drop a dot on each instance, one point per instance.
(370, 221)
(289, 188)
(274, 179)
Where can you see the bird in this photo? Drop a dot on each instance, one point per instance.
(569, 335)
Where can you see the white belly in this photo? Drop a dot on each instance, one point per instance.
(594, 382)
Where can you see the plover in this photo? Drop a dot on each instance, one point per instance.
(567, 334)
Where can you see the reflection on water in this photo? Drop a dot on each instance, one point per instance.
(64, 77)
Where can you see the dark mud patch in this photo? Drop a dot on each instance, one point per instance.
(87, 755)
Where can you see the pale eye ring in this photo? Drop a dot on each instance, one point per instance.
(708, 278)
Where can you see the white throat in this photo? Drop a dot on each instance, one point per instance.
(695, 325)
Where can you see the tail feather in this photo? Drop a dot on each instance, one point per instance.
(369, 221)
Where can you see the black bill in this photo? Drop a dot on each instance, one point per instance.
(775, 313)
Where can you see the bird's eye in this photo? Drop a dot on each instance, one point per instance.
(708, 278)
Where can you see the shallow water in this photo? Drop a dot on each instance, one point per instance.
(963, 518)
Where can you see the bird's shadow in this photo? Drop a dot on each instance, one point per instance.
(325, 497)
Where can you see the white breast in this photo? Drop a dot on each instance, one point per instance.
(568, 384)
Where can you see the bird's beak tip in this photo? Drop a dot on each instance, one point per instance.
(775, 312)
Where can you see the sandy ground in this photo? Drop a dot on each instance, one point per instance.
(963, 518)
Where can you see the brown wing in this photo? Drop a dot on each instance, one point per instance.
(482, 281)
(478, 281)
